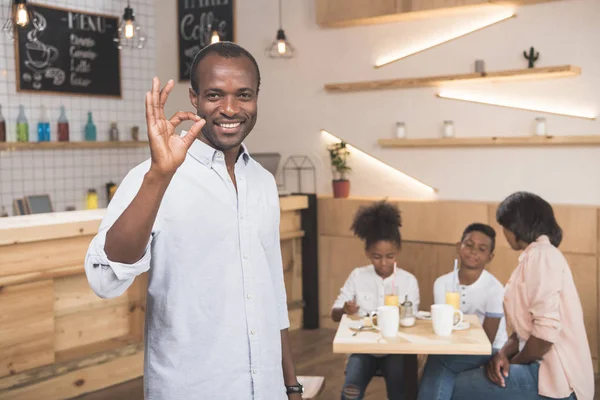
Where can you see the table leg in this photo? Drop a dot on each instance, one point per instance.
(411, 376)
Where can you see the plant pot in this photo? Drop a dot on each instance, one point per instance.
(341, 188)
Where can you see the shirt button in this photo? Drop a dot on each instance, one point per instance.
(245, 256)
(219, 154)
(253, 332)
(255, 371)
(249, 296)
(241, 217)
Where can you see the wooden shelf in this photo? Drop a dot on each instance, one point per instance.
(517, 141)
(429, 81)
(12, 146)
(350, 13)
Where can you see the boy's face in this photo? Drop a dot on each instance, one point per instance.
(475, 251)
(383, 257)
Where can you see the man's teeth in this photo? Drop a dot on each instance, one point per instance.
(230, 126)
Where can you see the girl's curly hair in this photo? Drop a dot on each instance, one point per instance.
(376, 222)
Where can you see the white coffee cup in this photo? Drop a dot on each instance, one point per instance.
(388, 320)
(442, 316)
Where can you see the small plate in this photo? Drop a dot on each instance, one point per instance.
(356, 325)
(423, 315)
(462, 326)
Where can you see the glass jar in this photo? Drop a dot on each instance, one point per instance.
(407, 316)
(400, 130)
(448, 129)
(540, 126)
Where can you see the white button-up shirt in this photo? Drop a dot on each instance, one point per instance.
(368, 289)
(483, 298)
(216, 298)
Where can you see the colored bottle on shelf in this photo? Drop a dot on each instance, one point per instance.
(2, 127)
(63, 126)
(22, 126)
(90, 129)
(43, 127)
(113, 132)
(92, 199)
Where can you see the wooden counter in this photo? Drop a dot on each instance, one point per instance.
(57, 338)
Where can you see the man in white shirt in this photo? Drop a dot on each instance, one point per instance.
(203, 218)
(481, 294)
(365, 290)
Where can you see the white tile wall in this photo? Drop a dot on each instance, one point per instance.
(66, 175)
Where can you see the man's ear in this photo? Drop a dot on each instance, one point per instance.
(193, 98)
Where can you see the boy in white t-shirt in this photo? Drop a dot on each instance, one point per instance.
(378, 226)
(481, 294)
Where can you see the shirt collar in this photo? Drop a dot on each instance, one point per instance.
(207, 154)
(543, 239)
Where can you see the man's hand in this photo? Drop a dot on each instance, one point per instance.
(167, 149)
(350, 307)
(497, 369)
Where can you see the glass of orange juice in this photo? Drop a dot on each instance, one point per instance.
(453, 298)
(390, 300)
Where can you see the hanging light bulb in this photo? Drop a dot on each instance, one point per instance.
(21, 17)
(129, 33)
(214, 38)
(280, 48)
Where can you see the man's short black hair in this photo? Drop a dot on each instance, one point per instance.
(483, 228)
(529, 216)
(223, 49)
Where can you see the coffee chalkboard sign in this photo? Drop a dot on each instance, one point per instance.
(196, 21)
(68, 52)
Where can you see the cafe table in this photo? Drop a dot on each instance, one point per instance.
(418, 339)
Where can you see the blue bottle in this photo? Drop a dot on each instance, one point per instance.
(43, 127)
(90, 129)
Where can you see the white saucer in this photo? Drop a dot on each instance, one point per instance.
(423, 315)
(462, 326)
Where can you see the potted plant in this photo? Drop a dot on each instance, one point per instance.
(338, 153)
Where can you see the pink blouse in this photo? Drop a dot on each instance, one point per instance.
(541, 299)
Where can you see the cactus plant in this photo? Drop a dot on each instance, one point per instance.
(532, 57)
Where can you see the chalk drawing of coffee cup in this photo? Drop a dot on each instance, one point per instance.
(37, 85)
(39, 55)
(27, 77)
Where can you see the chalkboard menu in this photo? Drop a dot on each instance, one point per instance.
(66, 51)
(196, 20)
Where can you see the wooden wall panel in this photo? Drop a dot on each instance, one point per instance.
(291, 253)
(439, 222)
(336, 215)
(73, 294)
(40, 256)
(585, 275)
(290, 221)
(80, 329)
(137, 306)
(84, 380)
(426, 262)
(504, 263)
(579, 225)
(26, 327)
(329, 11)
(338, 256)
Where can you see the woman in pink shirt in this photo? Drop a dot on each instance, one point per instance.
(548, 355)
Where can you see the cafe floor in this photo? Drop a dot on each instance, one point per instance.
(313, 356)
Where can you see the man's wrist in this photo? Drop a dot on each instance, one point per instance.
(294, 388)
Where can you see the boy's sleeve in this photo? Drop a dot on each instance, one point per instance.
(494, 305)
(439, 292)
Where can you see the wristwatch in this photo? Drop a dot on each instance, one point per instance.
(297, 388)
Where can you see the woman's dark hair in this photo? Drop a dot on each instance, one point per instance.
(379, 221)
(529, 216)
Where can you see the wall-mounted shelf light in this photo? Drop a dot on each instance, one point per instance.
(519, 104)
(437, 41)
(407, 179)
